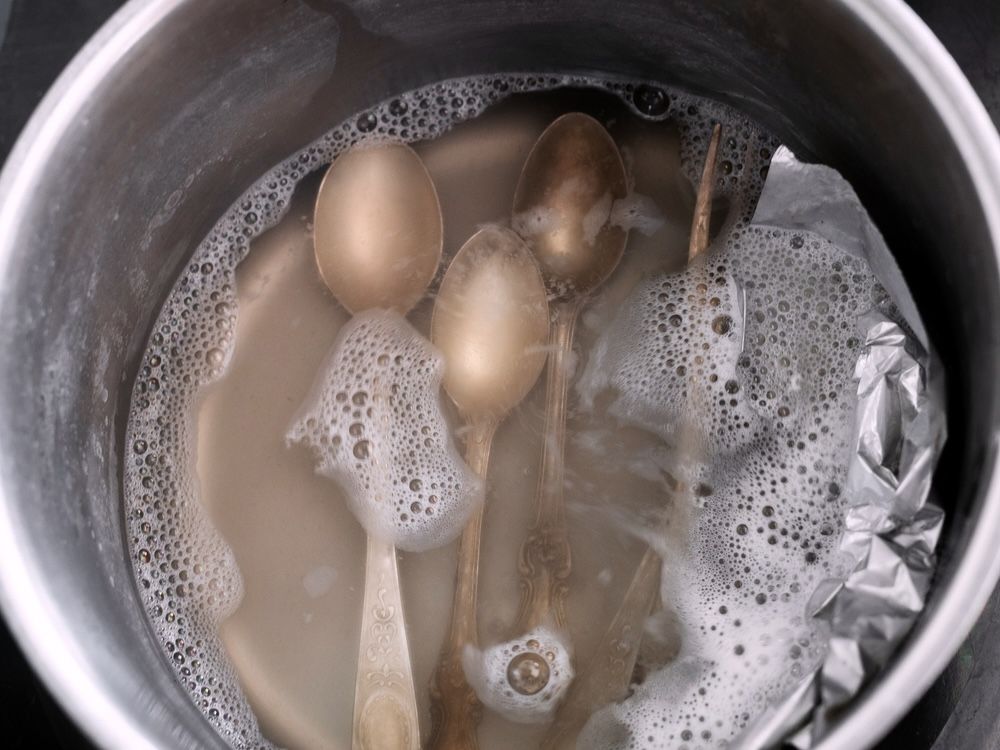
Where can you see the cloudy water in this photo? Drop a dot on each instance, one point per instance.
(709, 411)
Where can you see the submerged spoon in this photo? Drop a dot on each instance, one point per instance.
(608, 674)
(562, 207)
(491, 320)
(378, 238)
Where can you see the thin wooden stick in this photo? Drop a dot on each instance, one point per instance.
(703, 205)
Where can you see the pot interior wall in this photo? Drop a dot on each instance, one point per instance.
(216, 94)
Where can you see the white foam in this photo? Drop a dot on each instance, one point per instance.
(487, 673)
(374, 424)
(671, 357)
(764, 478)
(639, 212)
(318, 581)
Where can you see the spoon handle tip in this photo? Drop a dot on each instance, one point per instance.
(385, 702)
(607, 676)
(700, 224)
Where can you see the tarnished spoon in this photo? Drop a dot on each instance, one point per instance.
(607, 676)
(491, 321)
(378, 236)
(562, 207)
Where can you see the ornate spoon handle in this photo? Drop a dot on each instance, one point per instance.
(455, 709)
(385, 702)
(545, 560)
(608, 673)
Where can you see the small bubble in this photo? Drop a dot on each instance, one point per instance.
(361, 449)
(650, 100)
(722, 324)
(366, 123)
(139, 446)
(214, 357)
(528, 673)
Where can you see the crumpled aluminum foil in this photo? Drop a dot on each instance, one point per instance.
(891, 530)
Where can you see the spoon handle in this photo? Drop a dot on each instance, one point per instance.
(455, 709)
(701, 221)
(545, 560)
(385, 702)
(609, 672)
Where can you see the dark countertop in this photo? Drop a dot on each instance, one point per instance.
(39, 37)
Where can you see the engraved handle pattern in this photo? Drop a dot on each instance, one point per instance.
(455, 708)
(607, 676)
(545, 560)
(385, 702)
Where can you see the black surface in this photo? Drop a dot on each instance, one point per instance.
(962, 709)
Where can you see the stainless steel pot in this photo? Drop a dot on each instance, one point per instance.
(177, 105)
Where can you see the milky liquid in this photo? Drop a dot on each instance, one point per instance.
(250, 563)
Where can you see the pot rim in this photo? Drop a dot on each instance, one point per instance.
(30, 611)
(59, 660)
(925, 655)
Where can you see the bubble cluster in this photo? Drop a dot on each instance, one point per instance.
(523, 679)
(374, 424)
(751, 349)
(672, 357)
(186, 575)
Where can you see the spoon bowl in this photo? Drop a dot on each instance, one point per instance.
(490, 321)
(562, 206)
(378, 229)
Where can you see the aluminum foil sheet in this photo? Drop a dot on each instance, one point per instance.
(891, 530)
